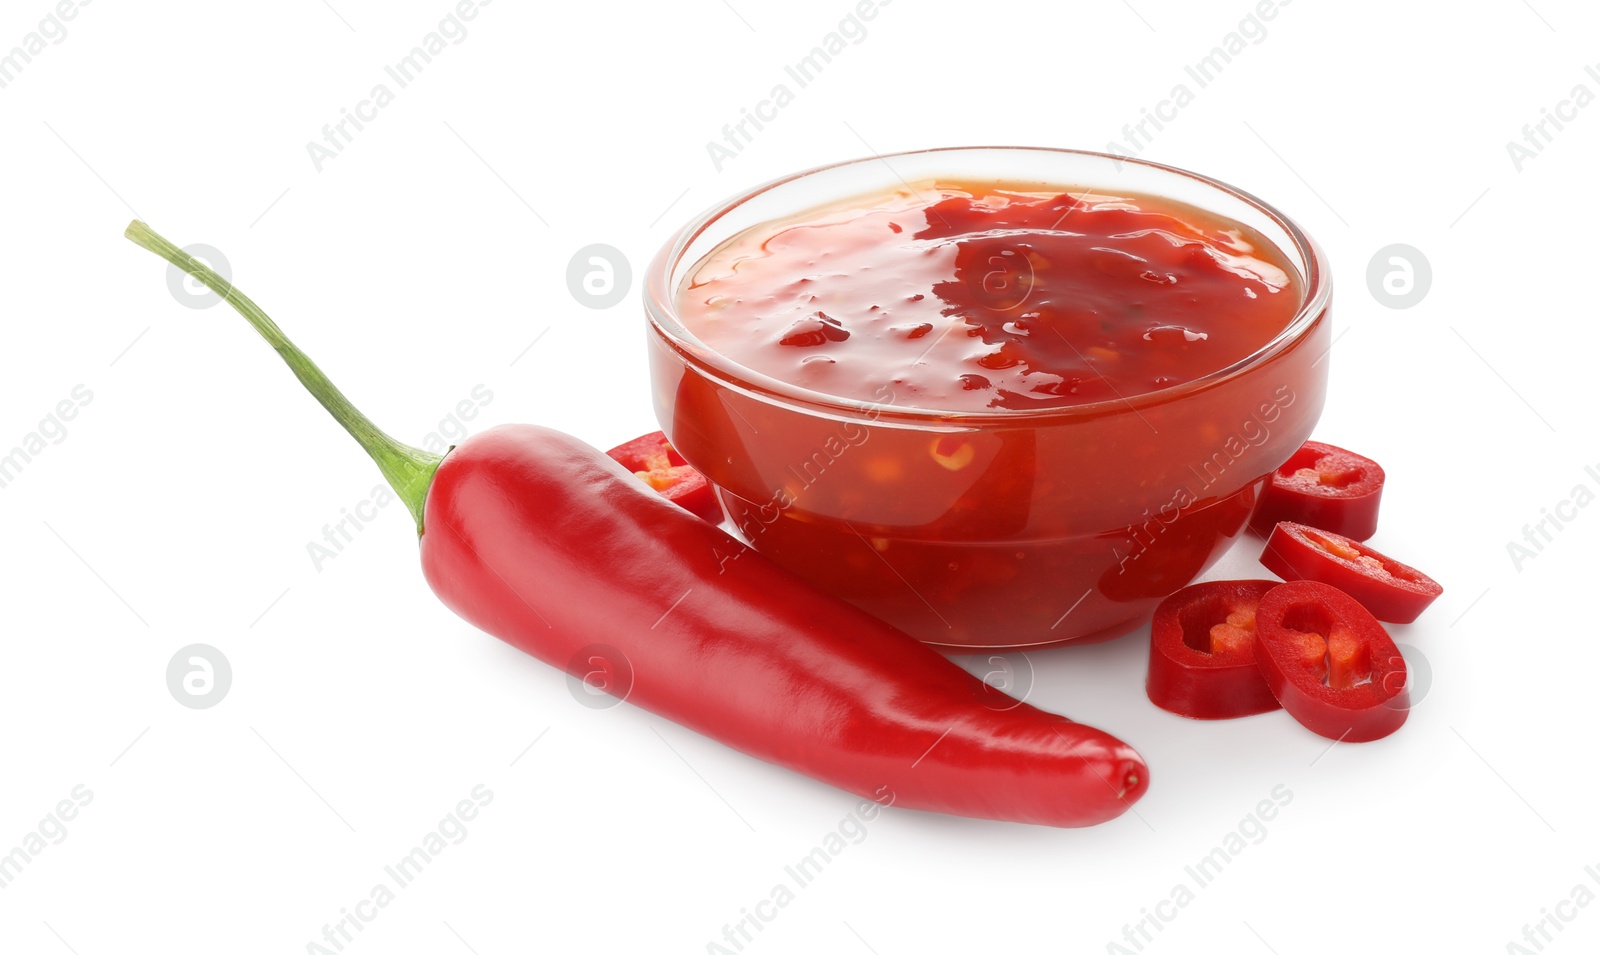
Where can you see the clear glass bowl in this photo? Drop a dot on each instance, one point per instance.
(1090, 514)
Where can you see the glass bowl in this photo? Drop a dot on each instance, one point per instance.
(1062, 524)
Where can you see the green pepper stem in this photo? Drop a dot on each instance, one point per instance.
(408, 470)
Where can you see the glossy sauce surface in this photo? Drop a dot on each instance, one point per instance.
(969, 297)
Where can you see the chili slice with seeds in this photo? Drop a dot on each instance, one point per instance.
(1202, 651)
(658, 464)
(1330, 662)
(1389, 589)
(1326, 487)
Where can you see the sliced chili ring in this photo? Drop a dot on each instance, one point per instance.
(1202, 651)
(1330, 662)
(1389, 589)
(1326, 487)
(656, 462)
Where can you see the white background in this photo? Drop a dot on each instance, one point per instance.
(425, 258)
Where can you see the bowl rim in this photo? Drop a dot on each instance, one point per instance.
(661, 311)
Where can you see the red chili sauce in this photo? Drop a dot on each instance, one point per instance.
(980, 297)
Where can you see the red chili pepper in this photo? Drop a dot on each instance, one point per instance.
(1388, 588)
(656, 462)
(1330, 662)
(1202, 651)
(1326, 487)
(547, 543)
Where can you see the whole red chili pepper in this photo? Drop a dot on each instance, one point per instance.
(547, 543)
